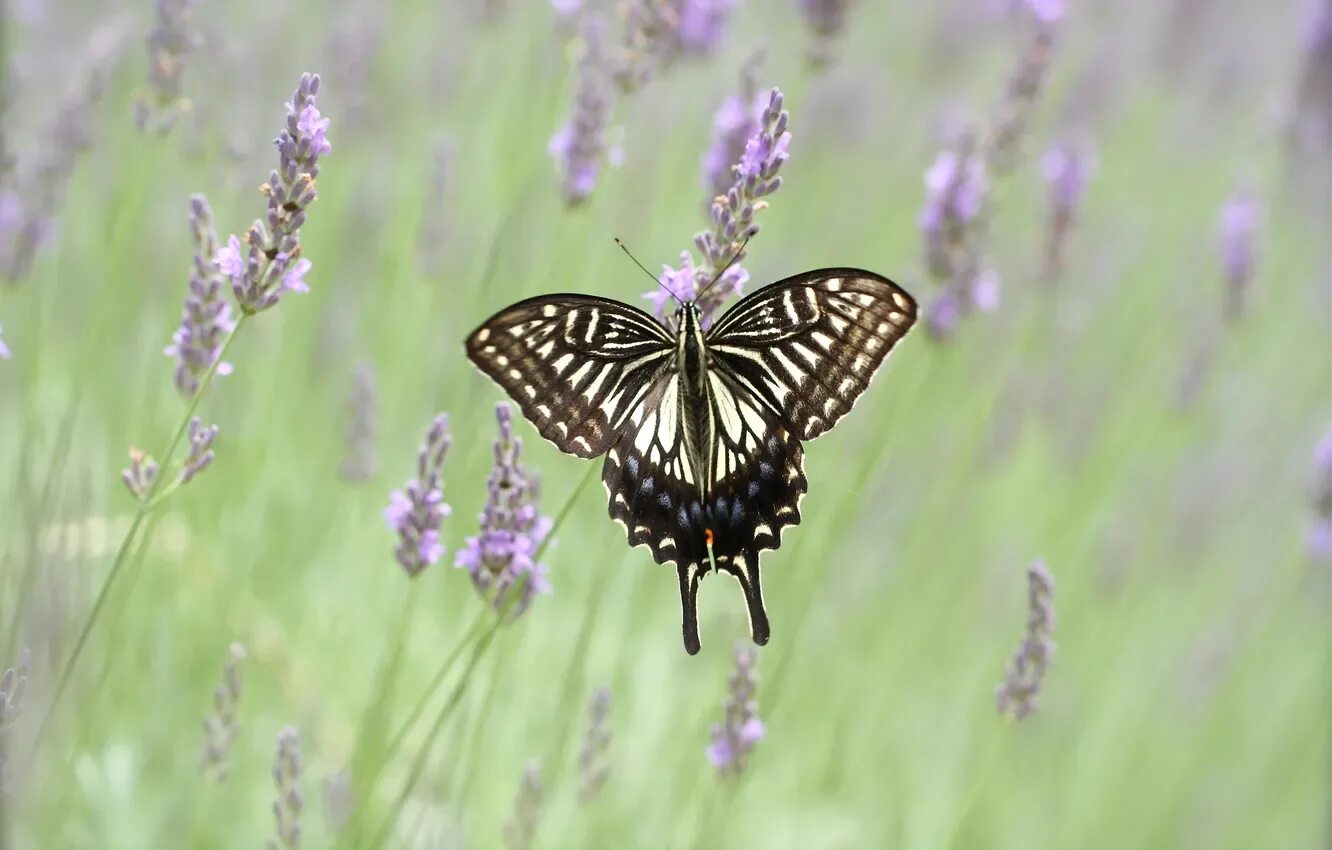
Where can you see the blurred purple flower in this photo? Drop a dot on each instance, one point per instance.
(169, 44)
(943, 315)
(272, 264)
(826, 19)
(417, 510)
(69, 136)
(985, 291)
(735, 121)
(702, 24)
(1046, 11)
(4, 349)
(566, 8)
(741, 728)
(288, 771)
(360, 462)
(1238, 227)
(754, 177)
(1067, 167)
(141, 474)
(512, 529)
(206, 319)
(220, 725)
(1013, 116)
(520, 829)
(1018, 693)
(1319, 540)
(579, 146)
(658, 33)
(201, 450)
(593, 768)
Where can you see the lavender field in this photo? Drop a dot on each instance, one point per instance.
(279, 567)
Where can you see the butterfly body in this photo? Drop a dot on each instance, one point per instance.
(701, 429)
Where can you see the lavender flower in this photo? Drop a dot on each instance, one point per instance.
(417, 511)
(360, 462)
(951, 227)
(1067, 167)
(579, 146)
(1018, 693)
(658, 33)
(522, 824)
(206, 319)
(169, 43)
(512, 529)
(593, 768)
(1238, 226)
(826, 19)
(13, 684)
(141, 474)
(740, 729)
(702, 25)
(272, 264)
(201, 450)
(287, 772)
(220, 725)
(754, 177)
(43, 189)
(733, 124)
(4, 349)
(956, 187)
(1013, 116)
(1319, 542)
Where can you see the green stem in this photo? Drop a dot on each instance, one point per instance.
(146, 505)
(446, 711)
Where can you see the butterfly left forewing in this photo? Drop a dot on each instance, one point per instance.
(576, 365)
(808, 346)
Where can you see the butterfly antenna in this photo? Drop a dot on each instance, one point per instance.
(718, 276)
(655, 279)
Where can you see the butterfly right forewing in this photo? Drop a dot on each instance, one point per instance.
(576, 365)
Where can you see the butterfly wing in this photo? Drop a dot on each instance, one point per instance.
(576, 365)
(808, 346)
(748, 493)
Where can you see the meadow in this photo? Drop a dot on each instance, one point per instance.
(1115, 217)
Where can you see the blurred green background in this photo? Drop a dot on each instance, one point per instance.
(1158, 457)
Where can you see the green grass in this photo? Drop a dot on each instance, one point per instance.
(1188, 701)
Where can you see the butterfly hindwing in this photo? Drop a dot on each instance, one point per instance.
(575, 365)
(757, 483)
(808, 346)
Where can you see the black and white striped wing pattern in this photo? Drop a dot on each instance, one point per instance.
(576, 365)
(748, 492)
(808, 346)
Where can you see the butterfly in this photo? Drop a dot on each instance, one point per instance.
(702, 428)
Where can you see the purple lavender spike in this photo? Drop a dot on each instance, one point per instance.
(753, 176)
(1067, 168)
(267, 263)
(741, 728)
(1017, 695)
(417, 511)
(170, 42)
(206, 320)
(512, 530)
(580, 145)
(1238, 229)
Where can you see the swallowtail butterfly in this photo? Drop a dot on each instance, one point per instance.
(701, 428)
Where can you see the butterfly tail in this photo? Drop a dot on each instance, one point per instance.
(689, 578)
